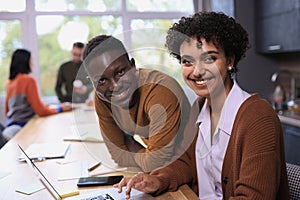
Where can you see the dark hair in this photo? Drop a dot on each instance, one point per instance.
(217, 27)
(78, 45)
(20, 63)
(101, 44)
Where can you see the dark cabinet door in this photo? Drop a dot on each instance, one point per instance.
(277, 26)
(279, 33)
(292, 144)
(267, 8)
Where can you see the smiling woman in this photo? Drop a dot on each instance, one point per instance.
(237, 149)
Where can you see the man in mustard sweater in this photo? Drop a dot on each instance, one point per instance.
(134, 102)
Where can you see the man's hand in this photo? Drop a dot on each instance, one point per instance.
(66, 106)
(80, 90)
(143, 182)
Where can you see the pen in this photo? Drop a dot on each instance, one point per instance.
(83, 140)
(38, 159)
(91, 168)
(35, 159)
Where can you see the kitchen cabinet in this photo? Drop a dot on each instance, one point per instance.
(291, 143)
(267, 8)
(277, 26)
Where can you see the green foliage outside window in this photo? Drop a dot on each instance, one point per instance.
(10, 39)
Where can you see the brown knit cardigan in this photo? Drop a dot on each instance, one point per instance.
(254, 166)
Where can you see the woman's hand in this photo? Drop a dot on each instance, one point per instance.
(143, 182)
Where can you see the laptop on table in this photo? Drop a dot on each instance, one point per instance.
(102, 194)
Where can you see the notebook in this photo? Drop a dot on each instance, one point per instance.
(46, 150)
(102, 194)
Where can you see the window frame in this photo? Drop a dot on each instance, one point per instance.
(30, 38)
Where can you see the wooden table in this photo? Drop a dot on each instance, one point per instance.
(53, 129)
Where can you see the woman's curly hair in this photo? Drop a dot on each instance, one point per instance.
(222, 30)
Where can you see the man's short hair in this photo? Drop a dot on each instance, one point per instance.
(78, 45)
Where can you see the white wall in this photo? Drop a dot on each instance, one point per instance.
(255, 70)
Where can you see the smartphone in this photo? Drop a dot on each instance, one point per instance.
(102, 180)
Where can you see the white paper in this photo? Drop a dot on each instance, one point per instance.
(113, 192)
(73, 170)
(46, 150)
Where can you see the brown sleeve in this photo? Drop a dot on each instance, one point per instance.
(166, 115)
(113, 136)
(183, 170)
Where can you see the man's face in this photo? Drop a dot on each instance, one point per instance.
(77, 53)
(114, 78)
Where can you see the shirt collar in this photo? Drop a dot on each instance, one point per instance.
(230, 108)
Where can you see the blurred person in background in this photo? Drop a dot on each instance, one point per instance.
(22, 100)
(72, 84)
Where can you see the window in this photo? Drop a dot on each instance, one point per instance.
(49, 27)
(160, 6)
(12, 5)
(148, 39)
(224, 6)
(10, 39)
(57, 33)
(73, 5)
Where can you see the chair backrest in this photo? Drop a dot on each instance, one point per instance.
(2, 140)
(293, 172)
(1, 127)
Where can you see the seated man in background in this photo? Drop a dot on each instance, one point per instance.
(72, 84)
(134, 102)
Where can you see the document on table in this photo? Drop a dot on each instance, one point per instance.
(4, 174)
(46, 150)
(31, 188)
(85, 133)
(77, 169)
(104, 169)
(134, 194)
(113, 192)
(73, 170)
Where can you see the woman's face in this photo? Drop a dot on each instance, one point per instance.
(114, 78)
(205, 68)
(30, 64)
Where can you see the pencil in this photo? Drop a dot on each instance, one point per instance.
(91, 168)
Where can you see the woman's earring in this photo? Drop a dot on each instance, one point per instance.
(231, 71)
